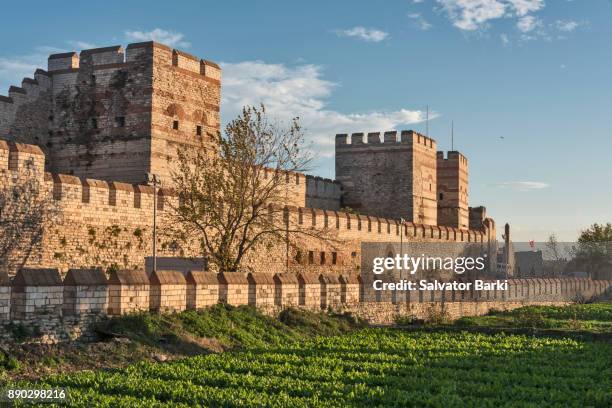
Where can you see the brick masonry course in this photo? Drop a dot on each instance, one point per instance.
(62, 311)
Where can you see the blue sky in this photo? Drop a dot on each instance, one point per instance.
(528, 83)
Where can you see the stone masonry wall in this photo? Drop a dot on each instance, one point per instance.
(452, 174)
(186, 102)
(389, 178)
(105, 223)
(115, 114)
(40, 307)
(323, 193)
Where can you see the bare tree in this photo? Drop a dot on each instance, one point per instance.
(231, 200)
(554, 253)
(26, 211)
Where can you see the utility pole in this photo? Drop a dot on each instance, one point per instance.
(155, 180)
(402, 252)
(402, 221)
(286, 215)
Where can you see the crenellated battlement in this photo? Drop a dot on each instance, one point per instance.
(109, 57)
(19, 156)
(323, 193)
(406, 137)
(92, 206)
(67, 309)
(450, 156)
(63, 61)
(74, 190)
(107, 117)
(152, 98)
(135, 52)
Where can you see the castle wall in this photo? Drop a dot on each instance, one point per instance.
(38, 303)
(323, 193)
(109, 114)
(388, 178)
(99, 125)
(452, 188)
(186, 101)
(110, 224)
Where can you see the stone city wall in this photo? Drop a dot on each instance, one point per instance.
(52, 310)
(106, 223)
(390, 177)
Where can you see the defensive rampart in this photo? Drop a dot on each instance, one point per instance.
(106, 223)
(38, 302)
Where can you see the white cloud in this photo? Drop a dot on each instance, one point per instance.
(472, 15)
(13, 69)
(169, 38)
(82, 45)
(504, 39)
(290, 91)
(528, 23)
(366, 34)
(523, 7)
(566, 26)
(419, 21)
(16, 68)
(523, 185)
(46, 50)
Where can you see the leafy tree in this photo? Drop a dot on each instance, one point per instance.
(596, 233)
(593, 252)
(231, 200)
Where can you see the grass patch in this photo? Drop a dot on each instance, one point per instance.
(232, 327)
(594, 318)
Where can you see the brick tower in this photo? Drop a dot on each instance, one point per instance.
(452, 190)
(389, 178)
(116, 115)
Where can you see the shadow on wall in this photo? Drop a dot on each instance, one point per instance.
(176, 264)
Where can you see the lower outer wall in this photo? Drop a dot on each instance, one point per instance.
(387, 313)
(379, 313)
(54, 329)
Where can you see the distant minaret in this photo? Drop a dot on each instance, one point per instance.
(508, 251)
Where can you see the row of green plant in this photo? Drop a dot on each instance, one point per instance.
(370, 367)
(593, 317)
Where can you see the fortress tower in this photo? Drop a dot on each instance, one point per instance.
(390, 178)
(116, 114)
(452, 190)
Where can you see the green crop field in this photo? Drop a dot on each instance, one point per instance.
(595, 318)
(434, 367)
(373, 367)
